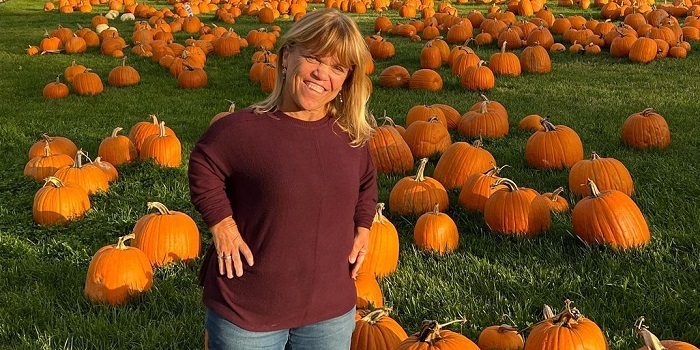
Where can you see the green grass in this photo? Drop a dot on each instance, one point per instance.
(42, 269)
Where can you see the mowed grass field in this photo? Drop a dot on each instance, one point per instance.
(42, 269)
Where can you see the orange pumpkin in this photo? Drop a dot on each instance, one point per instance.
(141, 130)
(485, 122)
(91, 179)
(461, 160)
(369, 295)
(555, 202)
(503, 337)
(383, 254)
(59, 203)
(167, 236)
(651, 342)
(45, 165)
(555, 147)
(569, 329)
(417, 194)
(394, 76)
(609, 217)
(164, 148)
(514, 210)
(117, 149)
(607, 173)
(477, 189)
(427, 138)
(55, 89)
(118, 272)
(376, 330)
(389, 150)
(434, 336)
(106, 167)
(646, 129)
(436, 231)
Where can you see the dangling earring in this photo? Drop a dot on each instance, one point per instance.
(340, 97)
(284, 72)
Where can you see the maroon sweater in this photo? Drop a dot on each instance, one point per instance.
(297, 191)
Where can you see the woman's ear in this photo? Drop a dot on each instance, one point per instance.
(285, 55)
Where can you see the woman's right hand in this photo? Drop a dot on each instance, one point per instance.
(229, 247)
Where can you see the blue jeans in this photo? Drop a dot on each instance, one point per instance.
(332, 334)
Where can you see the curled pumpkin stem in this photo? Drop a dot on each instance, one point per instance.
(162, 209)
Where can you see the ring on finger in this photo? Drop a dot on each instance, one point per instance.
(227, 257)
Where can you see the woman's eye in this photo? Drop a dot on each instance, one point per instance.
(312, 59)
(340, 69)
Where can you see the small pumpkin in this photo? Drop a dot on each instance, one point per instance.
(514, 210)
(394, 76)
(59, 203)
(485, 122)
(427, 138)
(106, 167)
(117, 149)
(535, 59)
(501, 337)
(477, 189)
(569, 329)
(87, 83)
(57, 144)
(555, 201)
(425, 79)
(651, 342)
(646, 129)
(166, 236)
(71, 71)
(164, 148)
(141, 130)
(436, 231)
(118, 272)
(555, 147)
(505, 63)
(478, 78)
(531, 122)
(91, 179)
(417, 194)
(45, 165)
(55, 89)
(123, 75)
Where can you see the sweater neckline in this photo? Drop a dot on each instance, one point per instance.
(284, 117)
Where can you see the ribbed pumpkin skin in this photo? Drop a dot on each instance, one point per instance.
(607, 173)
(427, 138)
(610, 217)
(41, 167)
(555, 201)
(584, 334)
(57, 144)
(58, 203)
(417, 194)
(390, 151)
(117, 272)
(368, 291)
(440, 339)
(556, 148)
(87, 83)
(515, 211)
(117, 149)
(437, 232)
(394, 76)
(91, 179)
(483, 123)
(164, 148)
(166, 238)
(500, 338)
(383, 255)
(674, 345)
(459, 161)
(106, 167)
(452, 116)
(378, 333)
(477, 190)
(141, 130)
(646, 129)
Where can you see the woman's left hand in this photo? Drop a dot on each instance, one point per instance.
(360, 248)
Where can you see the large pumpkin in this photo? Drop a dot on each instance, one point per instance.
(607, 173)
(118, 272)
(609, 217)
(57, 144)
(646, 129)
(167, 236)
(164, 148)
(58, 203)
(427, 138)
(486, 122)
(434, 336)
(514, 210)
(436, 231)
(567, 330)
(383, 254)
(461, 160)
(123, 75)
(555, 147)
(376, 330)
(389, 150)
(117, 149)
(417, 194)
(87, 83)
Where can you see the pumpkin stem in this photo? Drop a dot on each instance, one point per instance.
(161, 127)
(155, 119)
(648, 111)
(378, 217)
(374, 316)
(122, 240)
(595, 192)
(556, 194)
(547, 312)
(430, 330)
(507, 182)
(503, 47)
(484, 107)
(436, 209)
(388, 119)
(47, 148)
(421, 168)
(162, 209)
(507, 328)
(650, 340)
(79, 159)
(483, 97)
(433, 118)
(116, 131)
(124, 60)
(56, 182)
(478, 143)
(232, 107)
(594, 155)
(58, 79)
(568, 316)
(547, 125)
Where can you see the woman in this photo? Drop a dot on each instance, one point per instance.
(288, 189)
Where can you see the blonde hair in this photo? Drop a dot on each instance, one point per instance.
(327, 32)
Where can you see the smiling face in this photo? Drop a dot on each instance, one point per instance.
(311, 83)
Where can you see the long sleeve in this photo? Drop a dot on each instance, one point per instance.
(367, 200)
(207, 176)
